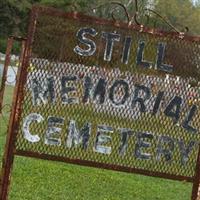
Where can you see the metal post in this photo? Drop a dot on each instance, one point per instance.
(5, 70)
(9, 149)
(196, 184)
(22, 52)
(16, 111)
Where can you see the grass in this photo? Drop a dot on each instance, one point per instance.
(44, 180)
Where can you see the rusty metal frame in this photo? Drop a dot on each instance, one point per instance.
(5, 70)
(8, 158)
(10, 150)
(7, 62)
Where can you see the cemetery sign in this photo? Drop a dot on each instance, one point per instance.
(106, 94)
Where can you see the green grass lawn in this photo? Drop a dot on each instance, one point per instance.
(44, 180)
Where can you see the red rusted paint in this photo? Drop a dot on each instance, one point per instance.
(5, 70)
(18, 97)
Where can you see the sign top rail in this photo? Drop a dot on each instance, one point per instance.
(140, 28)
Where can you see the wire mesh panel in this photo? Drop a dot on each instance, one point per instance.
(116, 96)
(109, 95)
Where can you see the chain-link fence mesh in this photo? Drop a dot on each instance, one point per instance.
(86, 108)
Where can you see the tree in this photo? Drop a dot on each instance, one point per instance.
(13, 19)
(181, 13)
(14, 16)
